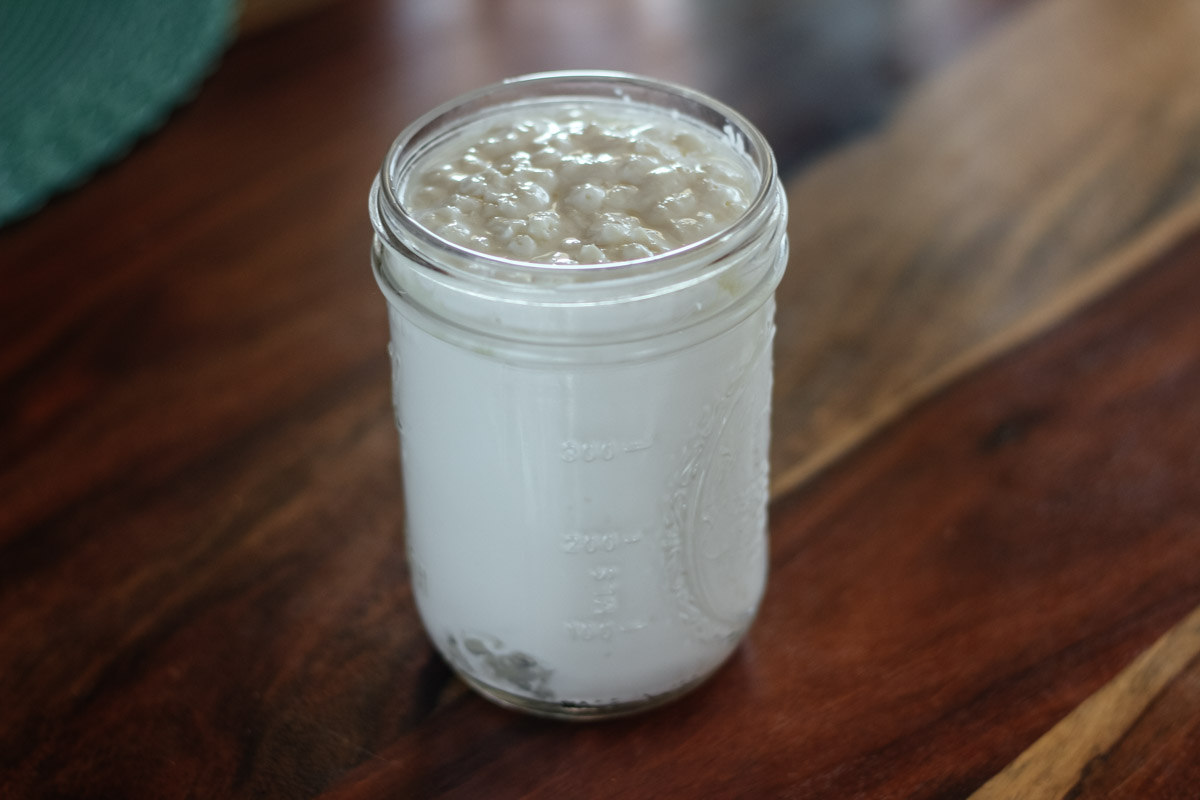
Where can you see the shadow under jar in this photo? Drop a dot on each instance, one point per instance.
(584, 446)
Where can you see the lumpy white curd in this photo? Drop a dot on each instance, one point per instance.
(580, 184)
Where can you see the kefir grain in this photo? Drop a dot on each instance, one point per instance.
(581, 184)
(580, 271)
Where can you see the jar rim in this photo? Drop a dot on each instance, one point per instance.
(391, 219)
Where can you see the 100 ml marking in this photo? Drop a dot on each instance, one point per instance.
(583, 630)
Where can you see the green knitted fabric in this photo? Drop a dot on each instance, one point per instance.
(81, 80)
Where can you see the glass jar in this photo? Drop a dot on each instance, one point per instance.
(584, 447)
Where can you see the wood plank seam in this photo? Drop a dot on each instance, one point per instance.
(1057, 764)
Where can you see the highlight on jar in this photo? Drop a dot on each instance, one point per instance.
(580, 272)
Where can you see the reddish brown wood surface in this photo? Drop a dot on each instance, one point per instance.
(202, 586)
(1126, 738)
(995, 201)
(938, 601)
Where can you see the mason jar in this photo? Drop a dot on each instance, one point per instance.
(583, 447)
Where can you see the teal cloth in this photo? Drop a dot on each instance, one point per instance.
(81, 80)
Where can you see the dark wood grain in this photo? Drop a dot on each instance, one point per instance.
(1155, 757)
(1136, 737)
(1030, 177)
(937, 602)
(202, 582)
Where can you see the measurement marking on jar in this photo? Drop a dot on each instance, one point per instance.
(603, 624)
(604, 596)
(600, 541)
(582, 630)
(588, 451)
(586, 630)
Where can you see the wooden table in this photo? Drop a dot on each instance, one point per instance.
(986, 525)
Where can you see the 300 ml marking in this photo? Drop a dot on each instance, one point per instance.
(590, 451)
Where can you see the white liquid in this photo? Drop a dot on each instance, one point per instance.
(583, 533)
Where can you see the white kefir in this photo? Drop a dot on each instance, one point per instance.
(579, 270)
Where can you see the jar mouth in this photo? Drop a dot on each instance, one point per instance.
(396, 225)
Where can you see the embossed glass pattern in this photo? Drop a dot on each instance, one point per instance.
(584, 448)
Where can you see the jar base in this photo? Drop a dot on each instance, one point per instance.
(577, 712)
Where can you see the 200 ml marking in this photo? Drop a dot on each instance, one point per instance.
(601, 540)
